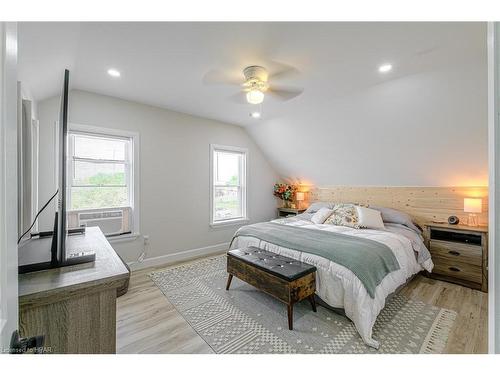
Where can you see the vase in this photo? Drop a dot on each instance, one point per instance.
(286, 204)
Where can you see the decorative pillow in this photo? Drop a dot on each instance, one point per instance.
(321, 215)
(316, 206)
(369, 218)
(390, 215)
(345, 215)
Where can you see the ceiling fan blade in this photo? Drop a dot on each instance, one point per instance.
(217, 77)
(284, 93)
(238, 98)
(282, 71)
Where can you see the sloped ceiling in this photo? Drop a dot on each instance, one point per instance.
(424, 123)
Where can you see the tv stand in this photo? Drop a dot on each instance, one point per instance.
(75, 307)
(37, 254)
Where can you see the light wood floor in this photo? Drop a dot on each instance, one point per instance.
(148, 323)
(470, 331)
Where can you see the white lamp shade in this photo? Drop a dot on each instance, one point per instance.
(255, 96)
(299, 196)
(473, 205)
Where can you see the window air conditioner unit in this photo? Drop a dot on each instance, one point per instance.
(110, 221)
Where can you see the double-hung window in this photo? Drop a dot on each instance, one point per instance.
(228, 195)
(101, 182)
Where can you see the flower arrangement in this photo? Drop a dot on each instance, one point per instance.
(285, 192)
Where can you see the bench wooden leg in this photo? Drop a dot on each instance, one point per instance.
(290, 316)
(229, 279)
(313, 302)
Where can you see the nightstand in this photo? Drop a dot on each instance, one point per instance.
(286, 212)
(459, 253)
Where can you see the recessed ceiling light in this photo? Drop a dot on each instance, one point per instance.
(114, 73)
(255, 114)
(385, 68)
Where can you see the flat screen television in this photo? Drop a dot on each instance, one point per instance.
(34, 254)
(59, 234)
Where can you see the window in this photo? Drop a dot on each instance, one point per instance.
(99, 172)
(101, 189)
(228, 194)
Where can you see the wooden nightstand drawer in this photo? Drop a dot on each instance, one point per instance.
(457, 252)
(459, 270)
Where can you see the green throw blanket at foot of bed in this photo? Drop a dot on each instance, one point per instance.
(369, 260)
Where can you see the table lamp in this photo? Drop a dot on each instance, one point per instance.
(473, 206)
(299, 197)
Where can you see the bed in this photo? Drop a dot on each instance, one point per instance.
(337, 285)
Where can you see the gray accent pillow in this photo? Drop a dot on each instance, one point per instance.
(316, 206)
(390, 215)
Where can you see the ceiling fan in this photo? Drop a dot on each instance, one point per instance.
(255, 84)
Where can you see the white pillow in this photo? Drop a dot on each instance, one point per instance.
(321, 215)
(369, 218)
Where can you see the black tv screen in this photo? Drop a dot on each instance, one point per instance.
(59, 236)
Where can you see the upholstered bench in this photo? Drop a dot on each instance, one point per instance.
(284, 278)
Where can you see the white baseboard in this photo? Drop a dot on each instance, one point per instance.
(178, 257)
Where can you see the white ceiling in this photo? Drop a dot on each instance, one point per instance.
(163, 64)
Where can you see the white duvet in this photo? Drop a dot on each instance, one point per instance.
(339, 287)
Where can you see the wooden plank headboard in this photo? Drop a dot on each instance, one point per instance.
(423, 204)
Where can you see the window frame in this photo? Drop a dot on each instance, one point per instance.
(131, 172)
(243, 184)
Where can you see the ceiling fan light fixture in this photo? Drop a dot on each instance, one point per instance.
(255, 96)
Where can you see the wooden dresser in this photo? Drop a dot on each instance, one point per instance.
(74, 307)
(459, 253)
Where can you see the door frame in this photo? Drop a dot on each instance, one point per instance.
(8, 184)
(494, 186)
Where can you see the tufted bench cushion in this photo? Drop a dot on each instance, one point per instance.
(283, 267)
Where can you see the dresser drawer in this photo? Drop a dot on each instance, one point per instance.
(456, 252)
(459, 270)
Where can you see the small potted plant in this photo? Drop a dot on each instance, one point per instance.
(285, 192)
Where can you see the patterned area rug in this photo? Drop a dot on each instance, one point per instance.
(245, 320)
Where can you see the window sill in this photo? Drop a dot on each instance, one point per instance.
(229, 223)
(123, 238)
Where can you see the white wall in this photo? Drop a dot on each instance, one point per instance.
(8, 183)
(174, 170)
(424, 129)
